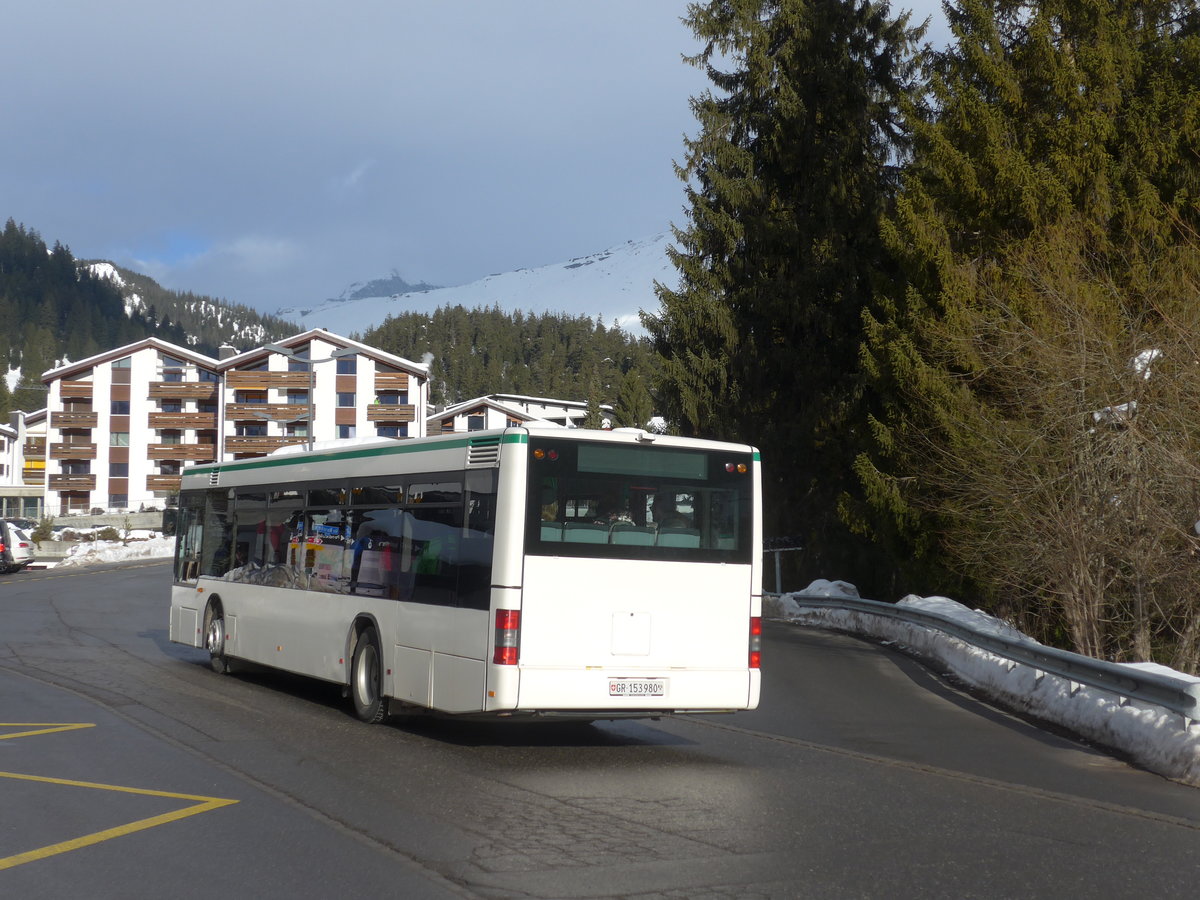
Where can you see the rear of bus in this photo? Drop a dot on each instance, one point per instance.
(636, 586)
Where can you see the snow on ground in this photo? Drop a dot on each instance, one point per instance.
(87, 553)
(1153, 737)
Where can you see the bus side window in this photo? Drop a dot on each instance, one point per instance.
(216, 536)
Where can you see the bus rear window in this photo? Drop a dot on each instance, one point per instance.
(638, 502)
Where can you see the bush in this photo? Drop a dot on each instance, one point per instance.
(44, 530)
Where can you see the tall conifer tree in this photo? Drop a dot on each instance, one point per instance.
(786, 180)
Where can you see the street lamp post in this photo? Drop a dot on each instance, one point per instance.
(310, 363)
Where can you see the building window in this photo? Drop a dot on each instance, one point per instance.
(475, 423)
(118, 501)
(249, 396)
(345, 399)
(77, 467)
(346, 431)
(245, 429)
(347, 365)
(124, 363)
(171, 369)
(118, 439)
(170, 437)
(297, 429)
(170, 406)
(118, 470)
(207, 376)
(392, 399)
(206, 406)
(168, 468)
(297, 398)
(119, 408)
(298, 361)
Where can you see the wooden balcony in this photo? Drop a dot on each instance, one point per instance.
(162, 483)
(261, 444)
(275, 412)
(34, 448)
(72, 451)
(391, 381)
(252, 381)
(74, 419)
(195, 452)
(76, 390)
(182, 420)
(391, 412)
(72, 482)
(33, 475)
(183, 390)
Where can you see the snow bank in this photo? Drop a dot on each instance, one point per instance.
(1153, 737)
(92, 552)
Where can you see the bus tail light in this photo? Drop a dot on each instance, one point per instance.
(508, 631)
(755, 642)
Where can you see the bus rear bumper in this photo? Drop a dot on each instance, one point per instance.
(604, 692)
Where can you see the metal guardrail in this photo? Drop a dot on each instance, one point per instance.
(1179, 696)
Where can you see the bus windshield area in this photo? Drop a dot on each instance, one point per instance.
(640, 502)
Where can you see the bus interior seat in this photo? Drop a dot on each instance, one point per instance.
(585, 533)
(632, 535)
(679, 537)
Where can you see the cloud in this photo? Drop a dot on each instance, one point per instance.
(350, 181)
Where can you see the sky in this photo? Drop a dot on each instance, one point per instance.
(272, 153)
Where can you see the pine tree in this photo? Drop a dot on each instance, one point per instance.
(634, 407)
(786, 180)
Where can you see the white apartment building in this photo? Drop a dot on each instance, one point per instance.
(123, 424)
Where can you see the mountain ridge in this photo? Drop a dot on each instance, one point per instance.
(613, 284)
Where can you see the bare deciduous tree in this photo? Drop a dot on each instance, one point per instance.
(1064, 461)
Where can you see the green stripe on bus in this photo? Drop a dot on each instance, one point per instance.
(329, 455)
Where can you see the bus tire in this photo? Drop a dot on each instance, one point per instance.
(366, 678)
(214, 640)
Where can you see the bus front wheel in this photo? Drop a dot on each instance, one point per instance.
(214, 641)
(366, 678)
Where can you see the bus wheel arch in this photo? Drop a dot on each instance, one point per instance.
(214, 635)
(366, 672)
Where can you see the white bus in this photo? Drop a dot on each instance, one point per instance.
(558, 572)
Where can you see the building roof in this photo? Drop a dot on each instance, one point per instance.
(69, 369)
(459, 409)
(298, 340)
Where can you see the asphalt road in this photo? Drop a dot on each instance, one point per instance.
(128, 768)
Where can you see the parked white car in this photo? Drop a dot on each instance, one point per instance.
(16, 547)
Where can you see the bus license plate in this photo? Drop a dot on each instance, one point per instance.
(637, 687)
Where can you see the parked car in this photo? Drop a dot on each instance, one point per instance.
(16, 547)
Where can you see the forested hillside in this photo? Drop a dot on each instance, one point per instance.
(54, 309)
(489, 351)
(206, 322)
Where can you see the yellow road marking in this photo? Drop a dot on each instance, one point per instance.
(44, 728)
(201, 804)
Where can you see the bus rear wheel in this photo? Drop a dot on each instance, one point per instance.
(366, 679)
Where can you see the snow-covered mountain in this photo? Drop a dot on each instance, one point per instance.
(614, 285)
